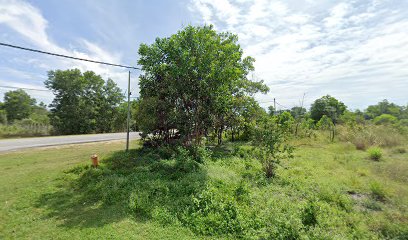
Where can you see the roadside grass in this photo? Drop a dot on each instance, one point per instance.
(328, 191)
(37, 202)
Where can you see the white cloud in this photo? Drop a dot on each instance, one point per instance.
(354, 50)
(30, 24)
(24, 19)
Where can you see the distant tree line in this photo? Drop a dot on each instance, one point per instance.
(83, 103)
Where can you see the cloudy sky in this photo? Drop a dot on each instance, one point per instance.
(356, 51)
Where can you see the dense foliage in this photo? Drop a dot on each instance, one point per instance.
(329, 106)
(83, 103)
(194, 83)
(195, 101)
(21, 116)
(18, 105)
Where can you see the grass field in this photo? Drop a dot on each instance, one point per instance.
(328, 191)
(29, 179)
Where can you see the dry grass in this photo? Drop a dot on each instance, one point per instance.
(367, 136)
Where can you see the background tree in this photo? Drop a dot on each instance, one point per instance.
(3, 117)
(271, 110)
(383, 107)
(328, 106)
(298, 114)
(108, 107)
(40, 114)
(83, 103)
(325, 123)
(385, 119)
(18, 105)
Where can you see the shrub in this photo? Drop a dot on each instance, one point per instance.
(271, 140)
(212, 213)
(326, 123)
(378, 191)
(385, 119)
(199, 153)
(309, 214)
(375, 153)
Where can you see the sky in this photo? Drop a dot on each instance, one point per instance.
(356, 51)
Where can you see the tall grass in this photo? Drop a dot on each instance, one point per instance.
(21, 129)
(365, 136)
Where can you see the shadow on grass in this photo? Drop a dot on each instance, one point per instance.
(139, 184)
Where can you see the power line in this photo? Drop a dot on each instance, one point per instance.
(276, 103)
(31, 89)
(282, 105)
(65, 56)
(266, 101)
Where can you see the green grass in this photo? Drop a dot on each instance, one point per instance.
(38, 203)
(328, 191)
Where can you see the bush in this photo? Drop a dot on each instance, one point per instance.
(212, 213)
(271, 141)
(378, 191)
(309, 214)
(374, 153)
(385, 119)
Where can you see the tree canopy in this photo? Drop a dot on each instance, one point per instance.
(329, 106)
(83, 103)
(193, 82)
(384, 107)
(18, 105)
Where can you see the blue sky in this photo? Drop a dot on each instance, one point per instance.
(356, 51)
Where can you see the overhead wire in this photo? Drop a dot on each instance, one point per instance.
(30, 89)
(66, 56)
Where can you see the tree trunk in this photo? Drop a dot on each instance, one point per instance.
(220, 135)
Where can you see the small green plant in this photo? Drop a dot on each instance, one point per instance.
(375, 153)
(309, 214)
(378, 191)
(271, 141)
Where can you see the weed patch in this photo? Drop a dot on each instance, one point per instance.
(375, 153)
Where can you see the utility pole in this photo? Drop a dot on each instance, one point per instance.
(128, 116)
(274, 107)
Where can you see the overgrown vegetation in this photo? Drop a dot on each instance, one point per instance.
(20, 115)
(327, 191)
(214, 164)
(84, 103)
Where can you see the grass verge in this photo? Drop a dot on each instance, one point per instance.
(328, 191)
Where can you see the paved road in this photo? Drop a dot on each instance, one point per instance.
(21, 143)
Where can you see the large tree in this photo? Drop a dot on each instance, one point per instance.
(329, 106)
(191, 81)
(18, 105)
(83, 103)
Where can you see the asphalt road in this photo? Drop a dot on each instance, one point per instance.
(21, 143)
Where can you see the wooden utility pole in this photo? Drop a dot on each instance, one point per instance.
(128, 116)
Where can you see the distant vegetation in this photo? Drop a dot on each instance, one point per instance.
(20, 115)
(83, 103)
